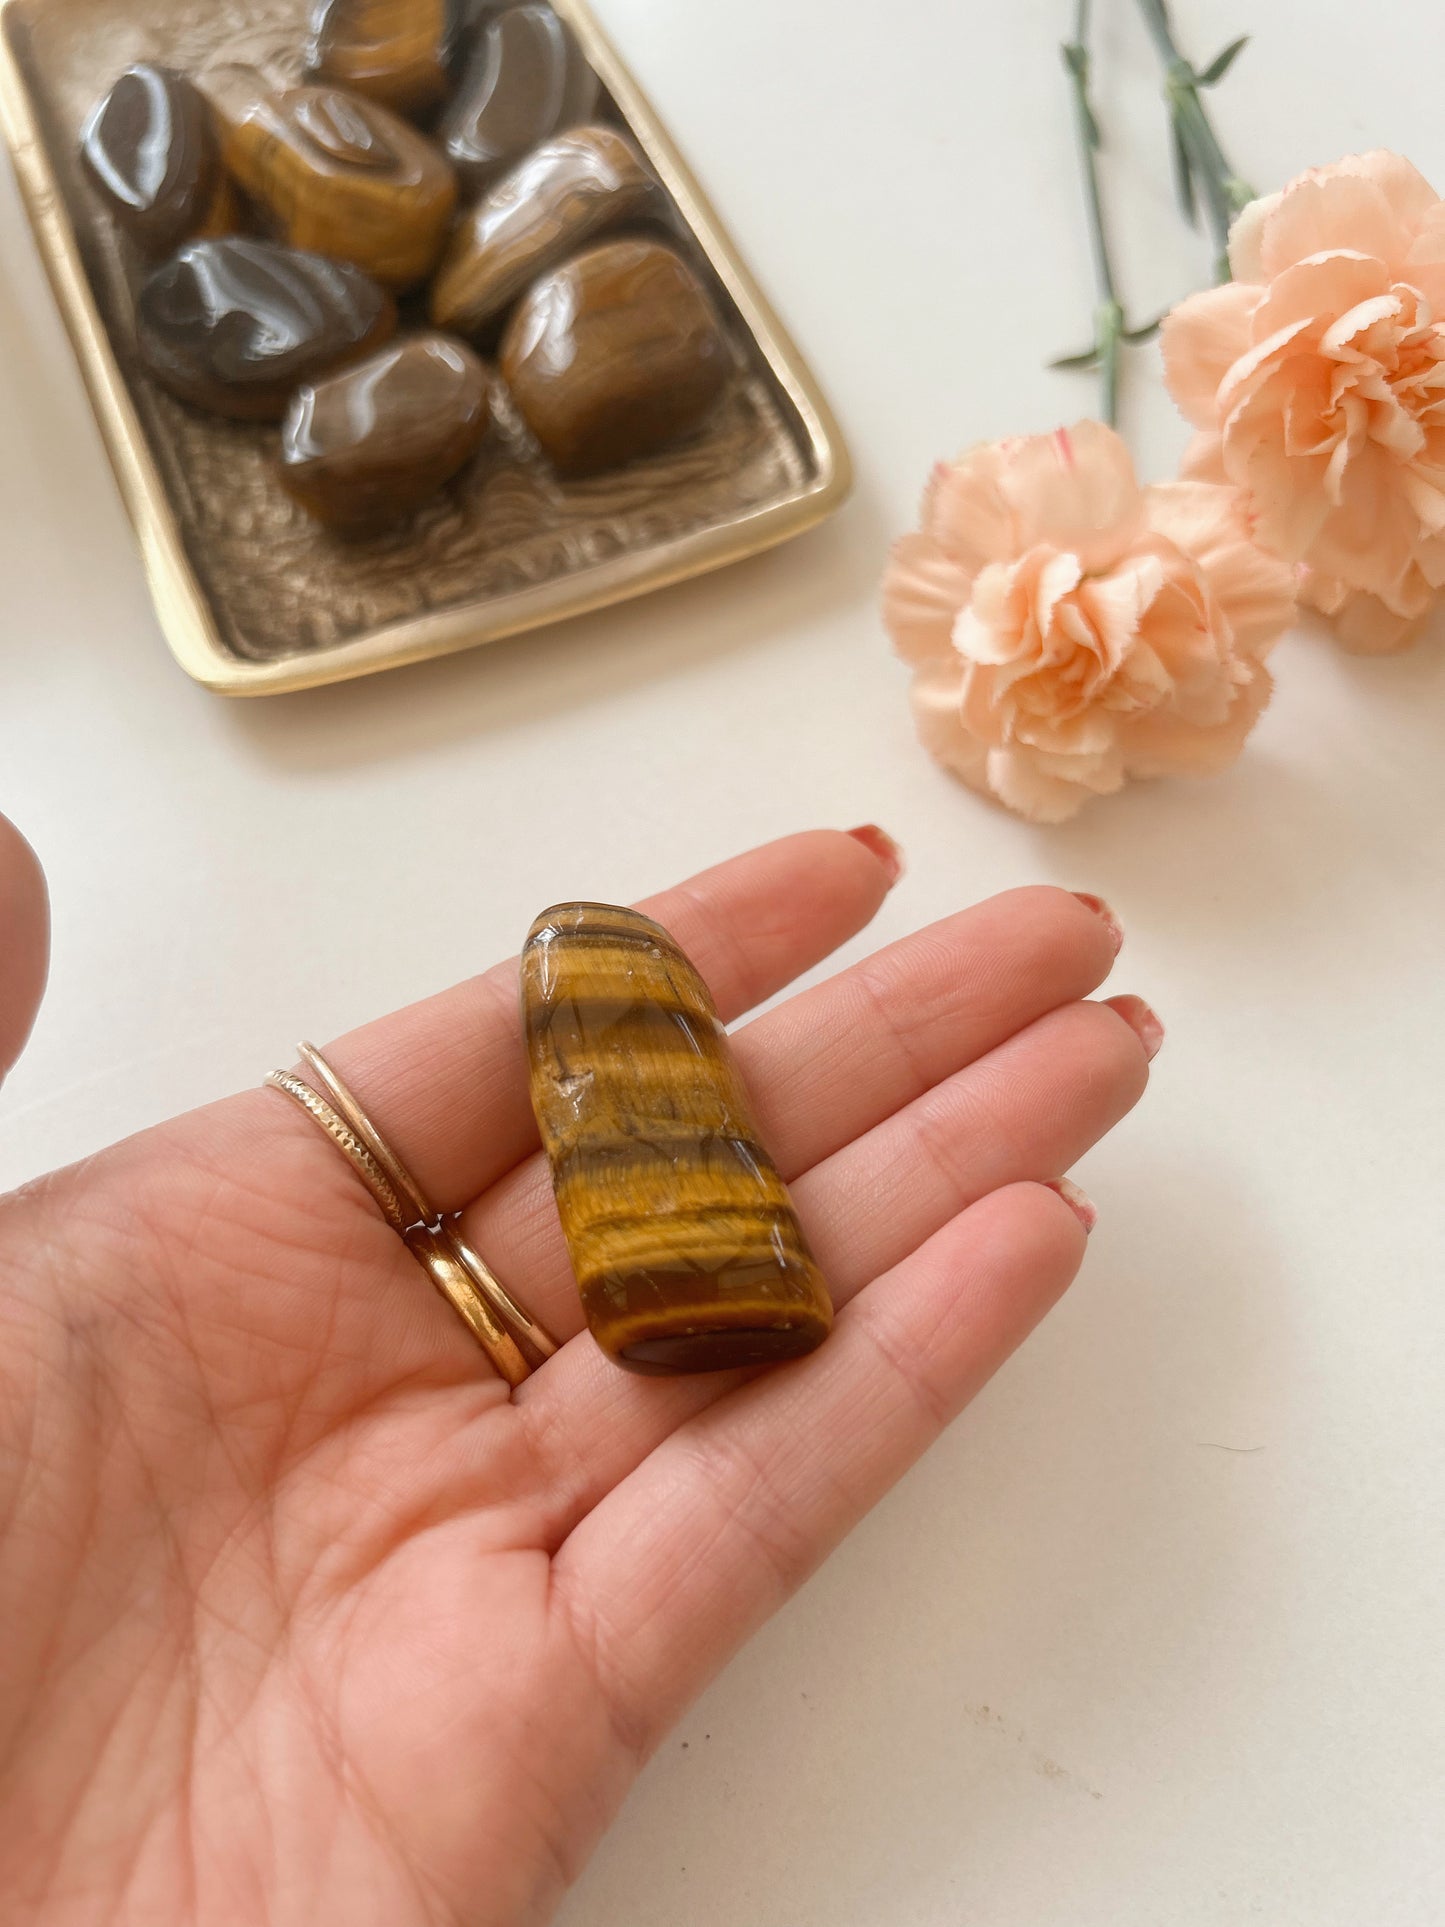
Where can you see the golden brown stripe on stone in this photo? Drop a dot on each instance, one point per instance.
(687, 1253)
(389, 50)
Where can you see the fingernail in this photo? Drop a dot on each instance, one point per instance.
(1105, 915)
(880, 844)
(1079, 1202)
(1141, 1020)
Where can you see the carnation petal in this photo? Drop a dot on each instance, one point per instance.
(1254, 588)
(1425, 263)
(1026, 783)
(923, 591)
(1369, 539)
(964, 509)
(938, 719)
(1075, 490)
(1162, 743)
(1303, 297)
(1115, 604)
(1409, 194)
(1365, 624)
(1204, 459)
(1200, 340)
(1246, 238)
(1327, 209)
(1237, 382)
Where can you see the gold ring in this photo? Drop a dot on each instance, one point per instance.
(438, 1255)
(345, 1139)
(512, 1339)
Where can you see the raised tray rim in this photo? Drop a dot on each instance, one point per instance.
(184, 611)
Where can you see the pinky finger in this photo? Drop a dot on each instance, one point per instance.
(675, 1568)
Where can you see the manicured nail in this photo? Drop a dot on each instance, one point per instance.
(880, 844)
(1079, 1202)
(1105, 915)
(1141, 1020)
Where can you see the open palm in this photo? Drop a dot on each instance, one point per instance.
(306, 1619)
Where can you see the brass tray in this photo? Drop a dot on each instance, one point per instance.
(253, 597)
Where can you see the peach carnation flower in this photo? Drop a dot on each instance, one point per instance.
(1069, 629)
(1318, 378)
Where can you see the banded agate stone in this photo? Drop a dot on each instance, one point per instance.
(687, 1253)
(150, 151)
(235, 325)
(526, 78)
(563, 195)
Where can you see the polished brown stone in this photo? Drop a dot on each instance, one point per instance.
(150, 150)
(235, 325)
(613, 355)
(566, 192)
(525, 79)
(392, 51)
(365, 447)
(465, 20)
(344, 176)
(685, 1246)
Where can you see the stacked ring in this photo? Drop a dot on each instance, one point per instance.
(512, 1339)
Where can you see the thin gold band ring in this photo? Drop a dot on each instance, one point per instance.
(512, 1339)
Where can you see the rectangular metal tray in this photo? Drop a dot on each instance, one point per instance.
(254, 598)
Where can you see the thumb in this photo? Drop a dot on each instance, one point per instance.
(24, 941)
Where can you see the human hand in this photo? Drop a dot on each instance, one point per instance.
(308, 1620)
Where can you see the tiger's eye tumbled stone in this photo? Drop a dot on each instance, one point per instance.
(390, 50)
(235, 325)
(526, 78)
(150, 150)
(685, 1246)
(366, 446)
(613, 355)
(563, 195)
(344, 176)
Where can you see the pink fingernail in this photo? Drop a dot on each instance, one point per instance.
(1079, 1202)
(1105, 915)
(880, 844)
(1141, 1020)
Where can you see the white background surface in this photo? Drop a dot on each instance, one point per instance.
(1156, 1635)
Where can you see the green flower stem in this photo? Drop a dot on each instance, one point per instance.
(1108, 314)
(1225, 194)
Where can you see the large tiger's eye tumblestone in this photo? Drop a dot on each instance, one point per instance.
(563, 195)
(613, 355)
(344, 176)
(685, 1246)
(390, 50)
(150, 151)
(235, 325)
(364, 447)
(526, 78)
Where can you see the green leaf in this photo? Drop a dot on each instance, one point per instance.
(1071, 364)
(1221, 63)
(1184, 176)
(1146, 332)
